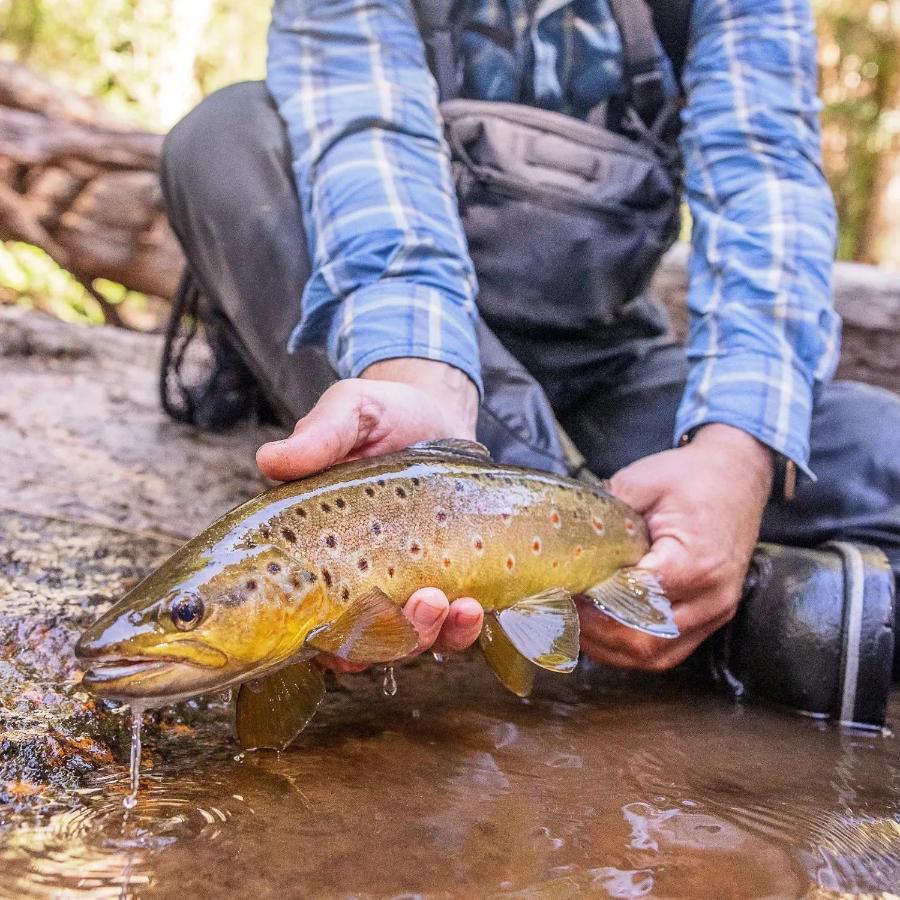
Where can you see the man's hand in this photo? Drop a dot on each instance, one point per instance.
(703, 503)
(394, 404)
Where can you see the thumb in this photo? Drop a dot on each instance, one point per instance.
(632, 486)
(327, 434)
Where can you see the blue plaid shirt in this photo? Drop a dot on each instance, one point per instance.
(391, 273)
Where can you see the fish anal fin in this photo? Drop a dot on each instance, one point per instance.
(514, 671)
(634, 597)
(455, 447)
(544, 629)
(273, 710)
(370, 629)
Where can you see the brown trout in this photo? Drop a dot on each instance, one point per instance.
(325, 564)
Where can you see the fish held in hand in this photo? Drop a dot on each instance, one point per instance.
(325, 564)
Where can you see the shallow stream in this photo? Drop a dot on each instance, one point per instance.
(452, 788)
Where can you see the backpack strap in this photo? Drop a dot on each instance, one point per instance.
(672, 21)
(644, 88)
(441, 24)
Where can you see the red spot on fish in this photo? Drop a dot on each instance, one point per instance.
(579, 550)
(507, 517)
(390, 571)
(630, 526)
(555, 520)
(415, 548)
(440, 517)
(478, 543)
(597, 525)
(446, 562)
(536, 545)
(510, 562)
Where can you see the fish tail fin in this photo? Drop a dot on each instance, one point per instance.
(541, 631)
(634, 597)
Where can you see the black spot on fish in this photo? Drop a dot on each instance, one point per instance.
(376, 528)
(273, 568)
(340, 503)
(390, 571)
(301, 512)
(289, 535)
(326, 577)
(440, 516)
(459, 486)
(370, 491)
(401, 493)
(265, 531)
(345, 593)
(250, 584)
(331, 540)
(326, 507)
(380, 482)
(362, 565)
(310, 577)
(415, 548)
(416, 482)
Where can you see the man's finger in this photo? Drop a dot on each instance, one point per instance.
(327, 434)
(462, 627)
(427, 609)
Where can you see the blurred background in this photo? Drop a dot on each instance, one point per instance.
(86, 88)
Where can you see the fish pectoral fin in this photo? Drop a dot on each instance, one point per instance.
(635, 598)
(273, 710)
(544, 629)
(514, 671)
(372, 628)
(455, 447)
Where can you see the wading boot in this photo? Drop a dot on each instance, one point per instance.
(814, 632)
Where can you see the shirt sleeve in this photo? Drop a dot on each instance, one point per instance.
(763, 333)
(391, 275)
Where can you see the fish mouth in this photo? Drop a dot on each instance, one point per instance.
(116, 668)
(124, 678)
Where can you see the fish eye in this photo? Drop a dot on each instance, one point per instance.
(187, 612)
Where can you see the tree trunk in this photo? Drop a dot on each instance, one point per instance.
(84, 189)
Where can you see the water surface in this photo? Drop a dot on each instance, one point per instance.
(452, 788)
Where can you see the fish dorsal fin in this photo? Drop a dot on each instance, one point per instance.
(544, 629)
(372, 628)
(514, 671)
(635, 598)
(273, 710)
(454, 447)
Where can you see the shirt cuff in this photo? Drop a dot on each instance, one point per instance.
(394, 319)
(769, 398)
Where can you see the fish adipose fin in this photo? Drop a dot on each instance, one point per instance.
(635, 598)
(544, 629)
(513, 670)
(455, 447)
(273, 710)
(372, 628)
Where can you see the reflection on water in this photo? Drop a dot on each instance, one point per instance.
(453, 788)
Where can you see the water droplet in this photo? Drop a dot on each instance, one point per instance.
(438, 657)
(137, 713)
(239, 757)
(416, 714)
(389, 685)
